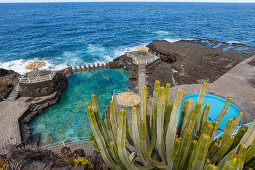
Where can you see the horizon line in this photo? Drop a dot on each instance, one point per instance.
(126, 1)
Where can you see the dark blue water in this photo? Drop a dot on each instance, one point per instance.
(68, 34)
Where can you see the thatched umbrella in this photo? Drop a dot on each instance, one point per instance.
(142, 49)
(128, 99)
(35, 65)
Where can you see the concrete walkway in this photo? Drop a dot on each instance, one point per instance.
(10, 112)
(141, 76)
(238, 83)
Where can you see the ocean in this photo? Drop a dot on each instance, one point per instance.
(69, 34)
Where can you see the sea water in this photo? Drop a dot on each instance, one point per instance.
(68, 120)
(69, 34)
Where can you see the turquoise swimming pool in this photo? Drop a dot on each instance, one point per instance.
(217, 104)
(67, 119)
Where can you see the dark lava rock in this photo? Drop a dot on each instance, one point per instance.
(33, 165)
(8, 79)
(162, 48)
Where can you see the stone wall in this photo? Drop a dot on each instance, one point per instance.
(44, 88)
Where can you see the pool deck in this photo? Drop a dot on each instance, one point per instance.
(238, 83)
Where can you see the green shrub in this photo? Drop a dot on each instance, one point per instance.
(79, 161)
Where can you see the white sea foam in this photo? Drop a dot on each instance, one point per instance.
(172, 40)
(20, 65)
(162, 32)
(230, 42)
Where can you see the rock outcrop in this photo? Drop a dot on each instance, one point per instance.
(8, 79)
(30, 159)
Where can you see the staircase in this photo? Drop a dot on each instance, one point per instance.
(14, 93)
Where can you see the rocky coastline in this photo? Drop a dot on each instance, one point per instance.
(181, 62)
(186, 62)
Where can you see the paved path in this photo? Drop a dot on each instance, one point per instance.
(10, 112)
(141, 76)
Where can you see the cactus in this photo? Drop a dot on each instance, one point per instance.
(160, 143)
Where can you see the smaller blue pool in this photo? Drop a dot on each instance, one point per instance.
(217, 104)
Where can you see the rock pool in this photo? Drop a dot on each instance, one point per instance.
(67, 120)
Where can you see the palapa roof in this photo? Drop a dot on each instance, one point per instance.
(128, 99)
(142, 48)
(35, 65)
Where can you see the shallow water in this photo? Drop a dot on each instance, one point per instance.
(67, 120)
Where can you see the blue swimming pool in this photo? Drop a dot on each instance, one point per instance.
(217, 104)
(67, 120)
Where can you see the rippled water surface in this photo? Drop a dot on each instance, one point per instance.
(68, 120)
(69, 34)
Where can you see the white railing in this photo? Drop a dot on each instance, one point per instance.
(35, 79)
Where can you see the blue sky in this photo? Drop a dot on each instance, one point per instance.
(230, 1)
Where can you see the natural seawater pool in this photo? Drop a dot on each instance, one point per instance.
(67, 119)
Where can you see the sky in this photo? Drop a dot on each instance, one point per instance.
(229, 1)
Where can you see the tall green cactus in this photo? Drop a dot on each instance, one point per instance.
(159, 143)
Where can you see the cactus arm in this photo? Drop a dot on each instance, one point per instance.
(177, 157)
(204, 116)
(148, 126)
(226, 132)
(224, 161)
(101, 126)
(194, 116)
(172, 126)
(175, 150)
(242, 150)
(100, 140)
(249, 135)
(113, 117)
(88, 103)
(215, 125)
(115, 154)
(182, 118)
(143, 104)
(160, 122)
(94, 102)
(191, 154)
(185, 147)
(251, 164)
(200, 100)
(207, 163)
(129, 138)
(236, 122)
(204, 128)
(168, 86)
(135, 133)
(108, 125)
(223, 111)
(121, 137)
(250, 152)
(188, 113)
(223, 149)
(154, 110)
(243, 129)
(213, 150)
(232, 164)
(201, 153)
(93, 142)
(167, 117)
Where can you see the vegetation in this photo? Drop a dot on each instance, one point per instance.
(79, 161)
(162, 143)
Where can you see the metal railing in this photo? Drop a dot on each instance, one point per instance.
(35, 79)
